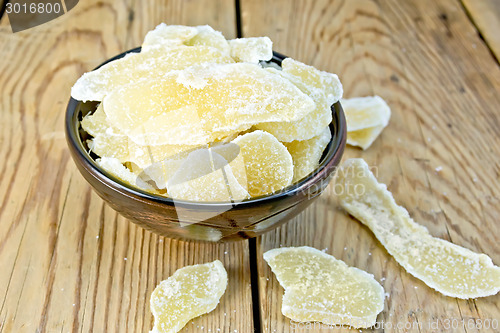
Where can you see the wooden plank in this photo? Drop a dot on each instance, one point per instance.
(69, 262)
(426, 59)
(219, 14)
(486, 16)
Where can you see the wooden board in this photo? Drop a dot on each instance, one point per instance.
(427, 61)
(485, 14)
(69, 262)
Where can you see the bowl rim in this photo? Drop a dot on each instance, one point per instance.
(334, 152)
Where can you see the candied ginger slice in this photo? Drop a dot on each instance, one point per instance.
(325, 82)
(207, 36)
(184, 125)
(95, 123)
(268, 164)
(94, 85)
(365, 112)
(319, 287)
(109, 141)
(307, 127)
(168, 35)
(125, 150)
(190, 292)
(252, 49)
(231, 153)
(205, 176)
(160, 172)
(306, 154)
(448, 268)
(324, 88)
(366, 117)
(115, 146)
(232, 98)
(118, 170)
(364, 137)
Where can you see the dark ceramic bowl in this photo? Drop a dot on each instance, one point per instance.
(199, 220)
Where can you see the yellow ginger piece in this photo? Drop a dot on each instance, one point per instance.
(160, 172)
(201, 104)
(324, 88)
(306, 154)
(366, 117)
(268, 164)
(328, 83)
(155, 63)
(111, 142)
(112, 145)
(190, 292)
(231, 153)
(252, 49)
(118, 170)
(209, 37)
(365, 137)
(168, 35)
(205, 176)
(96, 123)
(319, 287)
(448, 268)
(201, 175)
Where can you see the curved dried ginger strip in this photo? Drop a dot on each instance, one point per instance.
(319, 287)
(190, 292)
(448, 268)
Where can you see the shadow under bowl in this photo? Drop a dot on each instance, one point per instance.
(202, 221)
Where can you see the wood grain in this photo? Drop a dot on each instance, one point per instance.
(486, 16)
(69, 262)
(426, 60)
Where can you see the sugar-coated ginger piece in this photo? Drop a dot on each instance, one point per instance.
(109, 141)
(190, 292)
(448, 268)
(366, 117)
(169, 35)
(114, 167)
(306, 154)
(326, 82)
(251, 49)
(201, 104)
(268, 164)
(324, 88)
(134, 67)
(320, 288)
(207, 36)
(205, 176)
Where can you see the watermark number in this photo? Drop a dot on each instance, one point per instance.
(33, 8)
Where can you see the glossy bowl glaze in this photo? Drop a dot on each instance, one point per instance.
(199, 220)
